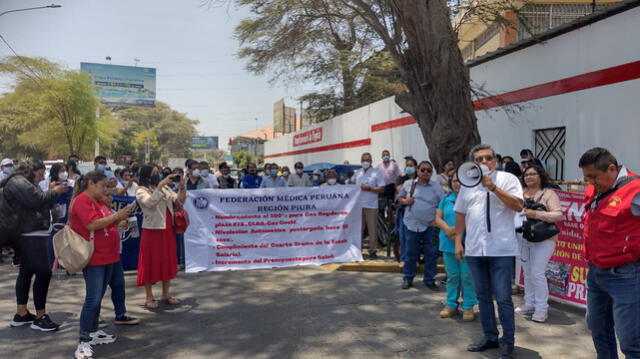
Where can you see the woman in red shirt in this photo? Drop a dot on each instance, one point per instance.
(93, 219)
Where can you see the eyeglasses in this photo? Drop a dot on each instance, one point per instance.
(532, 174)
(429, 170)
(485, 157)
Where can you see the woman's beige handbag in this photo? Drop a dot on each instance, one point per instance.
(72, 251)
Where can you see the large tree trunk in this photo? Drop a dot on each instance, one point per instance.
(439, 94)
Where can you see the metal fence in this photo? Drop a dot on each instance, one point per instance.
(537, 18)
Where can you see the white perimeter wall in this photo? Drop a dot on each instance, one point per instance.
(607, 116)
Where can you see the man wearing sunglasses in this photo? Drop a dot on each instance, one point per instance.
(487, 213)
(421, 197)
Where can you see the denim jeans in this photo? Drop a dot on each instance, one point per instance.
(96, 279)
(180, 248)
(613, 296)
(402, 234)
(492, 278)
(459, 279)
(413, 242)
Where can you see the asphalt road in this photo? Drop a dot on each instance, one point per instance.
(303, 312)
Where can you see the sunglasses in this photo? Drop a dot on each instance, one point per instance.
(485, 157)
(429, 170)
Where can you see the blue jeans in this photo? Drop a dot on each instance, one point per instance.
(413, 242)
(492, 278)
(180, 248)
(459, 278)
(96, 279)
(613, 302)
(402, 234)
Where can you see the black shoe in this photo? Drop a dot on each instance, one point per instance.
(432, 285)
(44, 324)
(19, 321)
(407, 284)
(483, 345)
(126, 320)
(506, 351)
(373, 255)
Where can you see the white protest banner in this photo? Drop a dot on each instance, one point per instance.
(272, 227)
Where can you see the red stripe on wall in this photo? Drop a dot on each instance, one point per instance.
(608, 76)
(337, 146)
(399, 122)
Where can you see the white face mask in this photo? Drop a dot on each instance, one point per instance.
(63, 176)
(366, 164)
(285, 173)
(195, 173)
(204, 173)
(332, 181)
(299, 171)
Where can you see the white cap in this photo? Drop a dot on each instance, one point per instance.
(6, 161)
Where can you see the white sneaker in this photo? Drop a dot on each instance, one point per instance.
(524, 310)
(539, 316)
(84, 351)
(100, 337)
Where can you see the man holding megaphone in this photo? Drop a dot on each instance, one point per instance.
(486, 208)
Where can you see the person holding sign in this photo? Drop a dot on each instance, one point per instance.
(487, 213)
(612, 248)
(421, 197)
(158, 260)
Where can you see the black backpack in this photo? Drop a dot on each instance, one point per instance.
(9, 220)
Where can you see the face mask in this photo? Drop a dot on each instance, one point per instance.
(274, 172)
(154, 180)
(204, 173)
(299, 171)
(285, 173)
(125, 183)
(315, 178)
(386, 158)
(195, 173)
(101, 168)
(366, 164)
(409, 171)
(332, 181)
(63, 176)
(161, 176)
(7, 170)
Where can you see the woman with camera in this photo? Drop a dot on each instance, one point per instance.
(158, 260)
(536, 255)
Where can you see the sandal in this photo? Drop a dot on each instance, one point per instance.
(151, 304)
(170, 300)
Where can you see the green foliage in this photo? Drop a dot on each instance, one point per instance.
(322, 41)
(243, 158)
(51, 113)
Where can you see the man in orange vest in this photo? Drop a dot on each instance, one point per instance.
(612, 248)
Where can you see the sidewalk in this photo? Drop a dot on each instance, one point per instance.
(302, 312)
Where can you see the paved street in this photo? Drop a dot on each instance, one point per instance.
(304, 312)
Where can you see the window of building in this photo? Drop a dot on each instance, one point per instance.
(538, 18)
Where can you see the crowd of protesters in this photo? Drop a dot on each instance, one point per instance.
(473, 227)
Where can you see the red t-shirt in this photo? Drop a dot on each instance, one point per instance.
(106, 241)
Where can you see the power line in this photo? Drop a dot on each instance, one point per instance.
(33, 73)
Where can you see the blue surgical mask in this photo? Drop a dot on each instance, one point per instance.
(101, 168)
(161, 176)
(7, 170)
(274, 172)
(386, 158)
(409, 171)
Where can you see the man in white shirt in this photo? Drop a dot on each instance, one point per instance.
(299, 179)
(487, 213)
(371, 183)
(205, 173)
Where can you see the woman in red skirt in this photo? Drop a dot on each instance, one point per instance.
(158, 260)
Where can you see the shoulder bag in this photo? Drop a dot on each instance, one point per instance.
(72, 251)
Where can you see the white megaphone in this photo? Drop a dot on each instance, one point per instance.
(470, 173)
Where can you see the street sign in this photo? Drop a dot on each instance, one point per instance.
(123, 85)
(204, 142)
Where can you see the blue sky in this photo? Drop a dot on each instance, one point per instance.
(191, 47)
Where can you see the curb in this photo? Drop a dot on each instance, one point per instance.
(370, 266)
